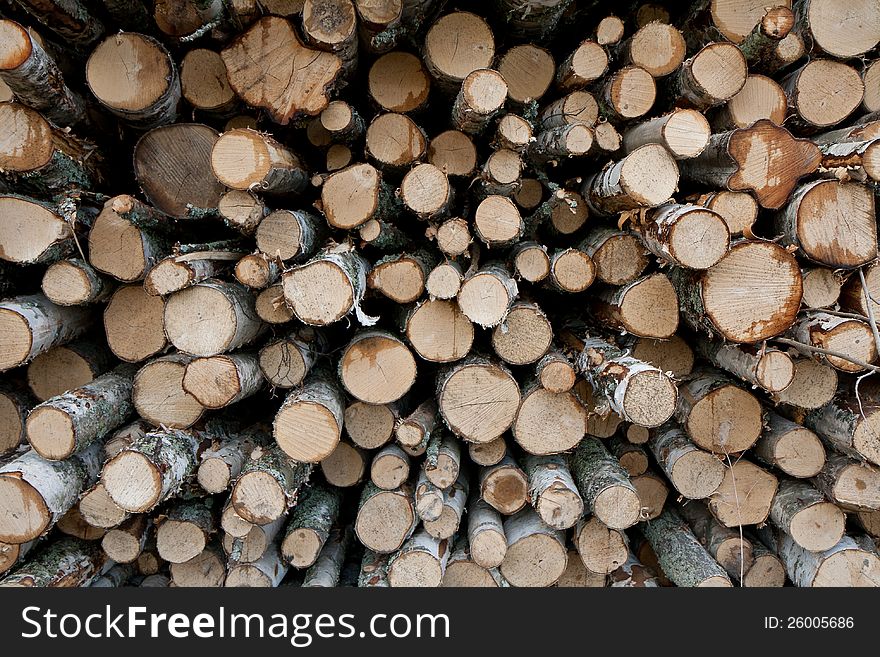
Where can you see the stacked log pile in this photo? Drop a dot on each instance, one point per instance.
(426, 293)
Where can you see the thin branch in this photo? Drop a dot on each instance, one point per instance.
(810, 349)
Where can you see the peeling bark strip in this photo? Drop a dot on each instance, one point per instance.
(269, 67)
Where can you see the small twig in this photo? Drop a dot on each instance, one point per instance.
(810, 349)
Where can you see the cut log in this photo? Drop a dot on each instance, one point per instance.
(728, 547)
(184, 532)
(456, 45)
(454, 237)
(385, 519)
(555, 372)
(831, 223)
(444, 280)
(552, 491)
(802, 512)
(576, 575)
(752, 294)
(646, 177)
(390, 467)
(269, 67)
(536, 555)
(502, 172)
(15, 403)
(453, 153)
(481, 96)
(442, 460)
(182, 22)
(636, 391)
(532, 20)
(513, 133)
(271, 307)
(770, 369)
(633, 574)
(850, 484)
(395, 142)
(738, 209)
(190, 264)
(32, 325)
(206, 570)
(813, 385)
(65, 563)
(849, 423)
(229, 307)
(247, 160)
(308, 426)
(11, 554)
(420, 562)
(309, 526)
(414, 431)
(745, 496)
(158, 394)
(646, 307)
(682, 558)
(287, 361)
(632, 458)
(694, 473)
(425, 191)
(327, 287)
(242, 210)
(497, 222)
(463, 572)
(222, 463)
(628, 93)
(377, 368)
(36, 493)
(760, 98)
(99, 510)
(822, 287)
(331, 26)
(165, 156)
(806, 88)
(653, 491)
(524, 336)
(268, 486)
(657, 47)
(492, 282)
(34, 232)
(428, 498)
(151, 469)
(257, 271)
(370, 426)
(850, 338)
(847, 564)
(219, 381)
(74, 282)
(204, 83)
(485, 533)
(548, 422)
(72, 421)
(446, 525)
(35, 79)
(327, 569)
(346, 466)
(504, 486)
(528, 71)
(609, 31)
(604, 485)
(73, 524)
(478, 399)
(795, 450)
(602, 550)
(401, 277)
(684, 133)
(577, 107)
(712, 76)
(531, 261)
(487, 453)
(267, 572)
(672, 231)
(586, 63)
(398, 82)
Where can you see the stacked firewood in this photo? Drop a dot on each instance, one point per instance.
(427, 293)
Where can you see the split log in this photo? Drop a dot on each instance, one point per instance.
(36, 493)
(767, 368)
(269, 67)
(345, 467)
(164, 156)
(752, 294)
(744, 496)
(229, 307)
(504, 486)
(602, 550)
(70, 422)
(795, 450)
(604, 485)
(850, 484)
(32, 325)
(144, 101)
(385, 519)
(64, 563)
(309, 526)
(477, 383)
(802, 512)
(268, 486)
(694, 473)
(247, 160)
(680, 555)
(158, 394)
(841, 240)
(536, 554)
